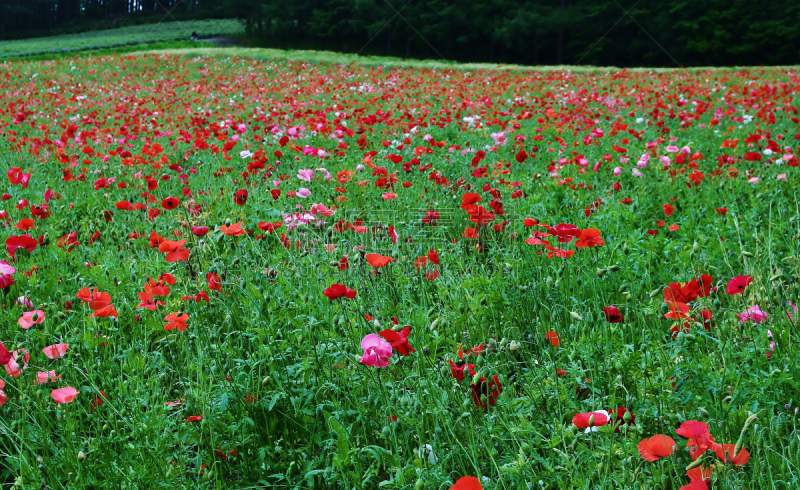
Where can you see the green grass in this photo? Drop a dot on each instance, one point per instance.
(119, 39)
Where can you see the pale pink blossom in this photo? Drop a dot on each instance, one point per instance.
(31, 318)
(64, 395)
(55, 351)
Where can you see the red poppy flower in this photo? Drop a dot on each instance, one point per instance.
(105, 312)
(590, 238)
(480, 216)
(619, 417)
(486, 391)
(457, 369)
(233, 230)
(656, 447)
(176, 320)
(240, 198)
(467, 483)
(738, 284)
(378, 261)
(433, 256)
(200, 230)
(471, 198)
(214, 281)
(96, 299)
(339, 290)
(677, 311)
(722, 211)
(5, 355)
(170, 203)
(566, 232)
(613, 314)
(668, 209)
(552, 337)
(431, 217)
(174, 250)
(725, 453)
(581, 420)
(398, 340)
(692, 428)
(470, 233)
(16, 242)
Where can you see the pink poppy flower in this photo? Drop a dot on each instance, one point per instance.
(31, 318)
(64, 395)
(55, 351)
(12, 366)
(43, 377)
(790, 315)
(303, 192)
(305, 174)
(753, 314)
(377, 351)
(6, 274)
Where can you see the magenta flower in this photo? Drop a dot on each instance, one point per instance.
(305, 174)
(303, 192)
(753, 314)
(377, 351)
(6, 274)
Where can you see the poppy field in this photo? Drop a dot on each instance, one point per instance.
(238, 273)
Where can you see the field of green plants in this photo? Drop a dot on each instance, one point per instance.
(238, 273)
(119, 37)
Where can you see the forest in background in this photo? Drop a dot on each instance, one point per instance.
(667, 33)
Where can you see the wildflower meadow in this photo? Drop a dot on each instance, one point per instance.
(224, 272)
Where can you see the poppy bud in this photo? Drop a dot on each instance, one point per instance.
(265, 381)
(549, 281)
(419, 484)
(626, 416)
(625, 249)
(476, 379)
(591, 420)
(695, 247)
(775, 277)
(600, 272)
(747, 254)
(434, 324)
(575, 316)
(614, 268)
(35, 316)
(81, 456)
(513, 346)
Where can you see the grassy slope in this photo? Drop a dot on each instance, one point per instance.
(123, 37)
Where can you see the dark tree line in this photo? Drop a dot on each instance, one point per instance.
(601, 32)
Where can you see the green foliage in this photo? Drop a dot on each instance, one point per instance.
(121, 38)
